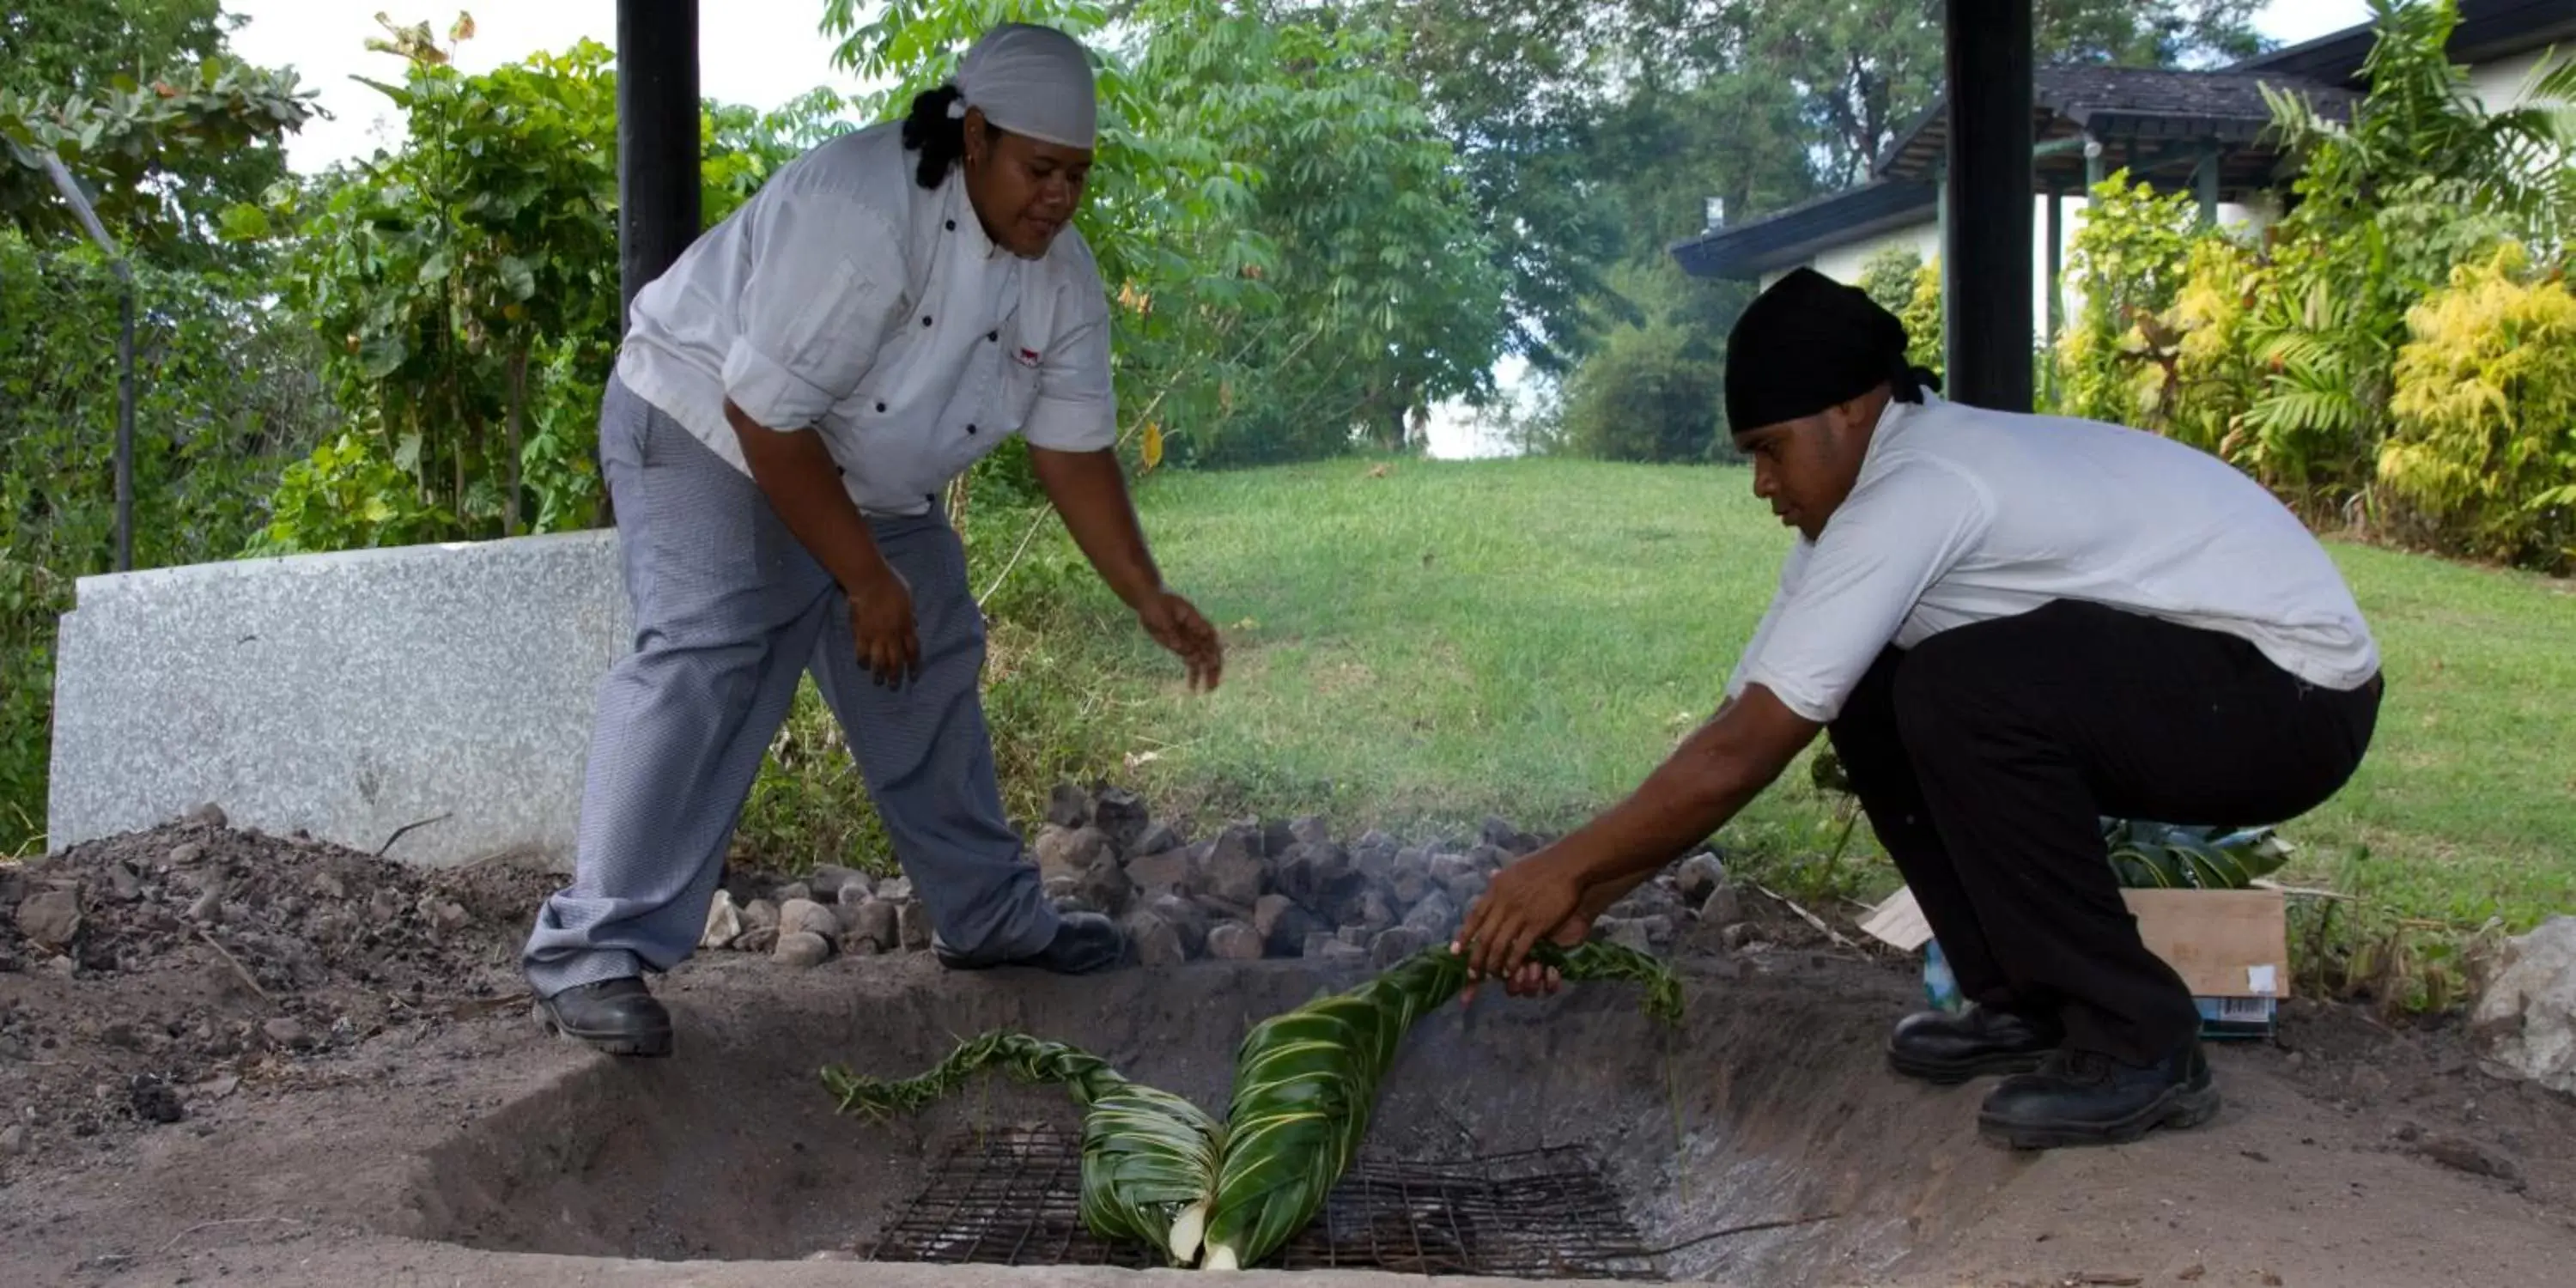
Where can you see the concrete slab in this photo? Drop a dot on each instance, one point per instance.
(347, 694)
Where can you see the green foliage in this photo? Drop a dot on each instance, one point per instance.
(2484, 443)
(1901, 282)
(1889, 276)
(2127, 258)
(435, 274)
(2421, 181)
(159, 159)
(1295, 264)
(2200, 373)
(1863, 68)
(76, 48)
(2166, 856)
(1922, 316)
(343, 497)
(1642, 397)
(222, 399)
(467, 286)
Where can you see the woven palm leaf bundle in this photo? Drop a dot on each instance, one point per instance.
(1149, 1158)
(1305, 1082)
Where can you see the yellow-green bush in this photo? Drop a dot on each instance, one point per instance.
(2200, 374)
(1903, 284)
(2484, 446)
(1922, 318)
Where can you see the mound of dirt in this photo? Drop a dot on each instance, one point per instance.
(145, 972)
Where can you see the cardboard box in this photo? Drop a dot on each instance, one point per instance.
(2232, 947)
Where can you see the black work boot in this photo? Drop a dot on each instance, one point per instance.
(2087, 1098)
(618, 1016)
(1084, 942)
(1941, 1047)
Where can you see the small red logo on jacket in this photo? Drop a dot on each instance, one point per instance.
(1028, 357)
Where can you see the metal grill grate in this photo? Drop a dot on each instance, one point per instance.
(1012, 1197)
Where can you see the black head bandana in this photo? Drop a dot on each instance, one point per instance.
(1809, 343)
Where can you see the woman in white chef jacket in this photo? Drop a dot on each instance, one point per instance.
(792, 394)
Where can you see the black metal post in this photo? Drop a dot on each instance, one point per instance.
(125, 421)
(657, 139)
(1987, 255)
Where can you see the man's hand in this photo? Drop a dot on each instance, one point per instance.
(1558, 891)
(1533, 979)
(881, 620)
(1176, 625)
(1539, 895)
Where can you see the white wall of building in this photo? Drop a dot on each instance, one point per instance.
(2500, 85)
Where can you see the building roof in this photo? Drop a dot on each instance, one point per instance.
(2144, 118)
(1794, 235)
(2487, 30)
(2152, 122)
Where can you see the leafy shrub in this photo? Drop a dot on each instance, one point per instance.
(2200, 375)
(1904, 284)
(1643, 397)
(2421, 180)
(2484, 445)
(1888, 277)
(2127, 258)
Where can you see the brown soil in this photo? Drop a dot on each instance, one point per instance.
(418, 1127)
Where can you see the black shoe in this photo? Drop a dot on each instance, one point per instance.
(2085, 1098)
(1941, 1047)
(1083, 943)
(618, 1016)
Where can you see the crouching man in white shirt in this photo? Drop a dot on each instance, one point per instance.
(792, 395)
(2009, 626)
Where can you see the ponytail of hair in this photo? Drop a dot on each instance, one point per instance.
(938, 137)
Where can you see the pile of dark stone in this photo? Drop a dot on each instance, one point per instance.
(1257, 888)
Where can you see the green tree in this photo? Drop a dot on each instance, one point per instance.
(1292, 253)
(1655, 389)
(466, 284)
(79, 48)
(145, 105)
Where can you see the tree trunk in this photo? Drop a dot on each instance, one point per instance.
(518, 400)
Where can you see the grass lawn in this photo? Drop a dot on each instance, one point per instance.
(1429, 642)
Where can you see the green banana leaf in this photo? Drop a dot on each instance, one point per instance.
(1149, 1158)
(1305, 1082)
(1156, 1169)
(2165, 856)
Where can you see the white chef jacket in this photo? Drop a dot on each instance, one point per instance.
(846, 297)
(1963, 515)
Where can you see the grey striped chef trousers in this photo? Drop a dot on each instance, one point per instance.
(729, 610)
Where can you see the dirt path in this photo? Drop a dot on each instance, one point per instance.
(164, 1127)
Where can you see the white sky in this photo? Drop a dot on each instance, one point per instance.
(757, 52)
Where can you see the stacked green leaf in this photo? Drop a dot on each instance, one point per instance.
(2165, 856)
(1305, 1082)
(1158, 1170)
(1149, 1158)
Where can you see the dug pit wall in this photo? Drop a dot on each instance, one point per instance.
(1768, 1106)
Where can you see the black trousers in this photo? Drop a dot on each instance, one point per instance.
(1986, 756)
